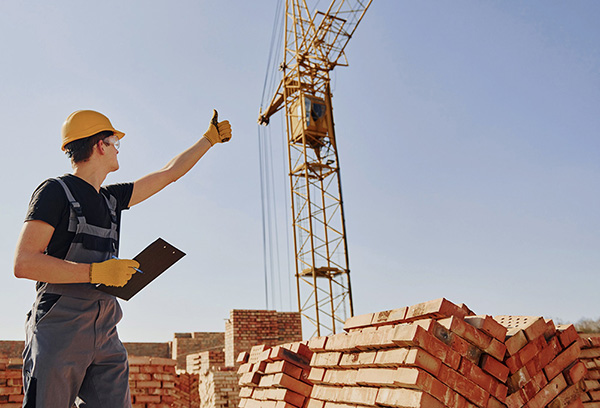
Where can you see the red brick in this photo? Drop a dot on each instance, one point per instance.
(315, 403)
(282, 394)
(494, 367)
(473, 335)
(516, 400)
(483, 379)
(146, 398)
(357, 360)
(463, 386)
(283, 404)
(438, 308)
(544, 357)
(516, 340)
(567, 334)
(376, 376)
(405, 398)
(316, 375)
(455, 342)
(389, 317)
(325, 393)
(341, 342)
(575, 372)
(391, 358)
(242, 357)
(529, 351)
(359, 321)
(569, 396)
(415, 335)
(373, 338)
(488, 325)
(548, 393)
(340, 377)
(250, 379)
(317, 343)
(284, 367)
(326, 359)
(532, 387)
(285, 381)
(417, 357)
(359, 395)
(422, 380)
(562, 361)
(534, 328)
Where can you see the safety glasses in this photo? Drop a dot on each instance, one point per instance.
(112, 140)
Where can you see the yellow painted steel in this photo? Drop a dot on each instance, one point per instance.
(314, 45)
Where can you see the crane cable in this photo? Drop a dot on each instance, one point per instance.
(270, 236)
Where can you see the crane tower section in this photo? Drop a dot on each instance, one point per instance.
(314, 46)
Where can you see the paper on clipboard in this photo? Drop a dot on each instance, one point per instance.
(154, 260)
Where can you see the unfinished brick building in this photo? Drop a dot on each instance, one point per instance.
(193, 370)
(429, 355)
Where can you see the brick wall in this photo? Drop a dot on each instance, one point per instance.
(11, 349)
(11, 383)
(152, 381)
(246, 328)
(149, 349)
(189, 343)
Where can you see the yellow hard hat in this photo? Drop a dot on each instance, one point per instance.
(84, 123)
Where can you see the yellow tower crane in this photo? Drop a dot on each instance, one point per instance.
(314, 46)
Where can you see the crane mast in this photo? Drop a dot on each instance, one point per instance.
(313, 47)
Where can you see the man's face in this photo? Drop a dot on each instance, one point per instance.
(112, 144)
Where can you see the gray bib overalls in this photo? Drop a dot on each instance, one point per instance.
(72, 353)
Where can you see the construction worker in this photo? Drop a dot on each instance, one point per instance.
(68, 244)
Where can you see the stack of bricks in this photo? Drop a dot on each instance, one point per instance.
(11, 383)
(544, 365)
(218, 388)
(186, 387)
(187, 343)
(152, 382)
(275, 377)
(203, 361)
(247, 328)
(433, 354)
(590, 356)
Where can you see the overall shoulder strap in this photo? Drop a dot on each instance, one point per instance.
(76, 212)
(111, 203)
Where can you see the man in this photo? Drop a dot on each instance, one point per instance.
(68, 244)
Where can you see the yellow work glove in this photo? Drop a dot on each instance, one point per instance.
(114, 272)
(218, 132)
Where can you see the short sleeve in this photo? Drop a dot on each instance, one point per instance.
(48, 203)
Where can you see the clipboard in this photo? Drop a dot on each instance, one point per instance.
(154, 260)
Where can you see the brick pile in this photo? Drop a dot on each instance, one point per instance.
(218, 388)
(544, 365)
(186, 391)
(275, 377)
(187, 343)
(11, 383)
(202, 362)
(590, 356)
(433, 354)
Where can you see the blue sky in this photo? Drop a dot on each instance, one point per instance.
(468, 135)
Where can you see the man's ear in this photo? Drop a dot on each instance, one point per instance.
(101, 147)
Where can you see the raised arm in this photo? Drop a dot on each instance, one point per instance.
(147, 186)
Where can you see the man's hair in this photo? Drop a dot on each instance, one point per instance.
(81, 150)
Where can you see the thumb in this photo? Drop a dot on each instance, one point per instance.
(215, 119)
